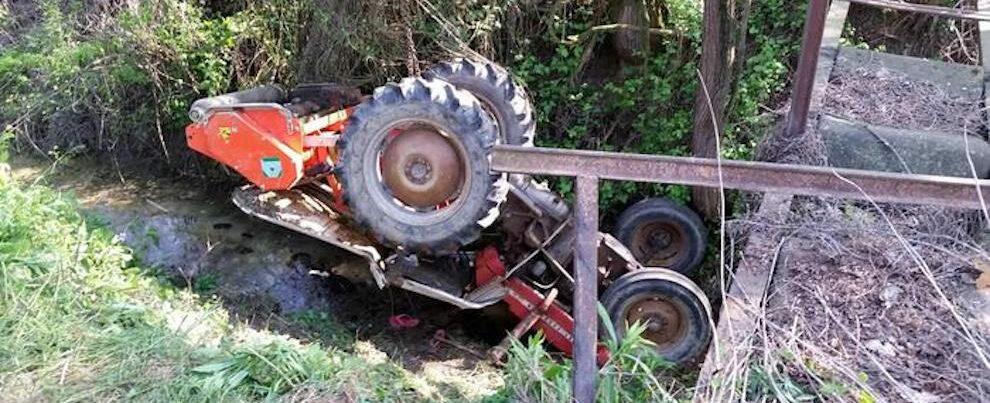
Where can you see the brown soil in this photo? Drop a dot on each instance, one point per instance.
(851, 287)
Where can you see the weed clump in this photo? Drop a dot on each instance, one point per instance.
(633, 373)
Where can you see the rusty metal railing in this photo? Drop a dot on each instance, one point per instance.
(746, 175)
(940, 11)
(589, 167)
(804, 76)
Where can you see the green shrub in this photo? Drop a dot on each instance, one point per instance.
(125, 88)
(648, 108)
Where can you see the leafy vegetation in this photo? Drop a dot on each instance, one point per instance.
(119, 79)
(633, 373)
(647, 108)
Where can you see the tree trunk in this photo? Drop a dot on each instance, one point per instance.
(722, 37)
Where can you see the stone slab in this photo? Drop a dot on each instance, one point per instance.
(862, 146)
(727, 359)
(834, 23)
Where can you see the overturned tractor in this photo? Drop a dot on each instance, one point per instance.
(402, 178)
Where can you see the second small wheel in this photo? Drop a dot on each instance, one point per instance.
(674, 311)
(661, 233)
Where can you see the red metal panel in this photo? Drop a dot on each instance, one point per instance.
(262, 144)
(557, 325)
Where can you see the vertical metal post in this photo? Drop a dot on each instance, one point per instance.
(586, 292)
(804, 78)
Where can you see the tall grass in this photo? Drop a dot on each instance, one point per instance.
(81, 321)
(633, 373)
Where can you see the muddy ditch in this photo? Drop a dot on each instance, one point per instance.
(272, 278)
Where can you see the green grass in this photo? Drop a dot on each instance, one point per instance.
(81, 321)
(633, 373)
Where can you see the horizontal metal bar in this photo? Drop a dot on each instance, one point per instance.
(745, 175)
(928, 9)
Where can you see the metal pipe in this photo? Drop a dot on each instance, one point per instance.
(804, 77)
(928, 9)
(586, 290)
(498, 352)
(747, 175)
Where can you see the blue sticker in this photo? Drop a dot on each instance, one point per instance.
(271, 167)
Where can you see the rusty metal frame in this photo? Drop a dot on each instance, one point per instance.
(585, 288)
(589, 167)
(804, 77)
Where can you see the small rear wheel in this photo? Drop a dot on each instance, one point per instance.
(414, 166)
(661, 233)
(676, 314)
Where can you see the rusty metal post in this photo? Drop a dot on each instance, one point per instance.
(804, 78)
(586, 290)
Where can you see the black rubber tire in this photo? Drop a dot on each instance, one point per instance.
(494, 87)
(672, 287)
(686, 222)
(456, 113)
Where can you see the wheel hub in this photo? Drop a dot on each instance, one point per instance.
(664, 322)
(657, 244)
(418, 170)
(422, 168)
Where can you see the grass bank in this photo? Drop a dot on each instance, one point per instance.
(81, 320)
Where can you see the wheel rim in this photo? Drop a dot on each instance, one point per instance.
(421, 168)
(657, 244)
(665, 321)
(420, 171)
(487, 106)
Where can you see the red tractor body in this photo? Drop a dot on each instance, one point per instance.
(401, 178)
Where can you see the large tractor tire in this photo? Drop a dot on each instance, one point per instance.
(675, 312)
(414, 166)
(500, 95)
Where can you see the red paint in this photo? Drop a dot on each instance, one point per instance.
(241, 138)
(402, 321)
(557, 324)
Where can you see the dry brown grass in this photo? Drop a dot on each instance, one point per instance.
(883, 97)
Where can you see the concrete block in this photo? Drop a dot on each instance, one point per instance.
(862, 146)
